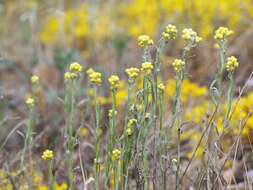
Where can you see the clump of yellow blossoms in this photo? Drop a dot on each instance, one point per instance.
(75, 67)
(129, 130)
(144, 41)
(161, 87)
(147, 67)
(190, 35)
(114, 82)
(30, 102)
(94, 77)
(74, 71)
(178, 65)
(89, 71)
(68, 76)
(62, 186)
(231, 64)
(110, 114)
(116, 154)
(222, 33)
(34, 79)
(170, 32)
(132, 73)
(47, 155)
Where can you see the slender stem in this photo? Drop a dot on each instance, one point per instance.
(50, 174)
(97, 164)
(178, 158)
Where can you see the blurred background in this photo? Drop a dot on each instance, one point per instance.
(43, 37)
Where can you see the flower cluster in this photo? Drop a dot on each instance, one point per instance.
(132, 73)
(47, 155)
(231, 64)
(74, 71)
(129, 130)
(68, 76)
(170, 32)
(94, 77)
(178, 65)
(114, 82)
(110, 113)
(161, 87)
(222, 33)
(147, 67)
(144, 41)
(116, 154)
(34, 79)
(190, 35)
(30, 102)
(75, 67)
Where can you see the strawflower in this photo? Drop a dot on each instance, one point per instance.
(144, 41)
(147, 67)
(114, 82)
(132, 73)
(47, 155)
(116, 154)
(170, 32)
(231, 64)
(34, 79)
(222, 33)
(110, 113)
(178, 65)
(95, 78)
(75, 67)
(30, 102)
(190, 35)
(161, 87)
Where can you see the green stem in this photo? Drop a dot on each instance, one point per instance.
(50, 174)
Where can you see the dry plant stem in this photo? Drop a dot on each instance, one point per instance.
(81, 165)
(231, 148)
(201, 138)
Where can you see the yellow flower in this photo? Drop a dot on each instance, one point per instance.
(222, 33)
(34, 79)
(116, 154)
(129, 131)
(82, 132)
(131, 122)
(30, 102)
(231, 64)
(89, 71)
(95, 78)
(114, 82)
(75, 67)
(161, 87)
(47, 155)
(144, 41)
(110, 113)
(170, 32)
(190, 35)
(69, 76)
(43, 187)
(147, 67)
(178, 65)
(132, 74)
(62, 186)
